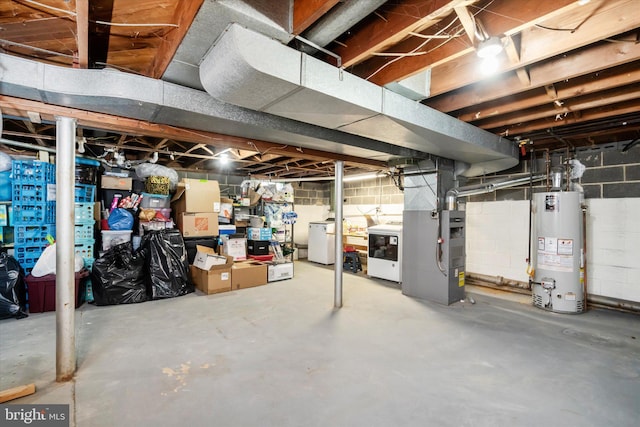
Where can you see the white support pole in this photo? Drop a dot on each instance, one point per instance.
(338, 222)
(65, 251)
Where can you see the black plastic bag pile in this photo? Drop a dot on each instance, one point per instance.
(12, 288)
(118, 277)
(167, 264)
(158, 269)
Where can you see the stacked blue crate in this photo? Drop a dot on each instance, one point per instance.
(34, 209)
(84, 230)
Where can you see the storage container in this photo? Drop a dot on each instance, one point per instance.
(5, 186)
(29, 235)
(258, 247)
(84, 213)
(85, 193)
(111, 238)
(155, 201)
(25, 171)
(87, 171)
(157, 185)
(84, 231)
(34, 213)
(41, 291)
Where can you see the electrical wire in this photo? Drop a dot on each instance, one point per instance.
(37, 49)
(112, 24)
(456, 34)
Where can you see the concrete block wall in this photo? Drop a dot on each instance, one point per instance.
(312, 193)
(610, 173)
(497, 223)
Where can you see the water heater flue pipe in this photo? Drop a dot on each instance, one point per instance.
(488, 187)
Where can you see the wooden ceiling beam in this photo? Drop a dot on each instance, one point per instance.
(401, 18)
(573, 106)
(184, 15)
(306, 12)
(18, 107)
(505, 17)
(82, 33)
(585, 61)
(609, 111)
(539, 44)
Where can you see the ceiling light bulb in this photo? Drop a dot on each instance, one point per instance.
(489, 48)
(224, 158)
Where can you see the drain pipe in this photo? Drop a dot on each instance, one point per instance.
(472, 190)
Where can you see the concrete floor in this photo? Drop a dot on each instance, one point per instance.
(279, 355)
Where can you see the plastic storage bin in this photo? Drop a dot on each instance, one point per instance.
(155, 201)
(84, 231)
(25, 171)
(27, 256)
(85, 248)
(41, 291)
(28, 235)
(5, 186)
(84, 213)
(111, 238)
(34, 213)
(85, 193)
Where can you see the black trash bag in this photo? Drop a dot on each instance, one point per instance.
(118, 276)
(13, 293)
(167, 264)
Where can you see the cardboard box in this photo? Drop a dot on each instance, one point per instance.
(206, 258)
(216, 279)
(254, 233)
(197, 195)
(198, 224)
(116, 182)
(235, 247)
(248, 274)
(277, 272)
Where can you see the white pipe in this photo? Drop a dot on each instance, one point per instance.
(338, 222)
(65, 250)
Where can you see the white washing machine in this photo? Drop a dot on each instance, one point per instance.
(385, 252)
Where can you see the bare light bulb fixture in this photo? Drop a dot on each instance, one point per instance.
(489, 47)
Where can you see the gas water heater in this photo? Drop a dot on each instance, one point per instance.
(557, 253)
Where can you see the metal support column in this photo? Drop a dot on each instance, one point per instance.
(338, 220)
(65, 251)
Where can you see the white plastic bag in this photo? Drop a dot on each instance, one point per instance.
(5, 162)
(46, 264)
(145, 170)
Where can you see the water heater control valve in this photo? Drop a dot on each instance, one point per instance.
(548, 283)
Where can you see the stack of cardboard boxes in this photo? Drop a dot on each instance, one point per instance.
(196, 205)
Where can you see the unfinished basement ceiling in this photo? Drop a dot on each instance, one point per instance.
(567, 78)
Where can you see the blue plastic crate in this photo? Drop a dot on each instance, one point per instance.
(31, 192)
(84, 248)
(33, 171)
(85, 193)
(28, 255)
(84, 213)
(28, 235)
(88, 263)
(34, 213)
(84, 231)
